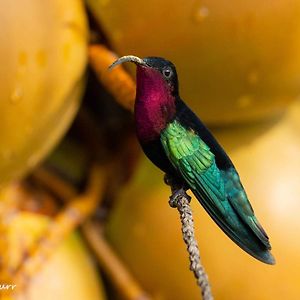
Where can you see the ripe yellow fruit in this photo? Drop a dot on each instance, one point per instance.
(68, 274)
(145, 231)
(43, 57)
(236, 62)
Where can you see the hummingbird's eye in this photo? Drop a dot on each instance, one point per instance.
(167, 73)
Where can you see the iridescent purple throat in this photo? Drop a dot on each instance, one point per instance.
(154, 106)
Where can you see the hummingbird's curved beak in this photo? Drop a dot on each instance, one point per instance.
(127, 58)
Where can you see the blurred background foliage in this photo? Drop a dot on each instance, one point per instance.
(83, 214)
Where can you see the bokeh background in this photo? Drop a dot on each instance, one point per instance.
(239, 69)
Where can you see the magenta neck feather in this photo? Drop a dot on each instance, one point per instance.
(154, 106)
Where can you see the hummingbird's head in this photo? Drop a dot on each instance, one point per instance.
(154, 74)
(156, 94)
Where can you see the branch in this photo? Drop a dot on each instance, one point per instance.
(181, 201)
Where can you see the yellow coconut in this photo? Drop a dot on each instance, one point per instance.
(146, 231)
(236, 62)
(43, 57)
(68, 274)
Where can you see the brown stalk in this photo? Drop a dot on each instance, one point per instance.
(112, 265)
(78, 210)
(107, 258)
(117, 81)
(54, 183)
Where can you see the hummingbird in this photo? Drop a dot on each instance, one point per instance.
(177, 142)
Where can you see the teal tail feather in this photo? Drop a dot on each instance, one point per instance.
(243, 236)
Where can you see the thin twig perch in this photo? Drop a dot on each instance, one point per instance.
(181, 200)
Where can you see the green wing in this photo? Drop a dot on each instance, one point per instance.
(220, 192)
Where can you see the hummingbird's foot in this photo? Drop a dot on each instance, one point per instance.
(177, 196)
(170, 180)
(174, 182)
